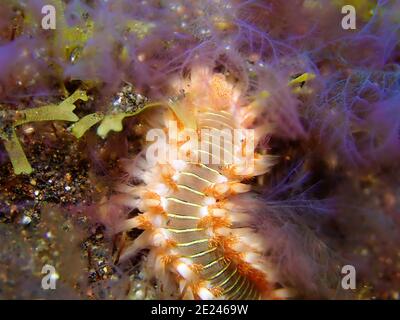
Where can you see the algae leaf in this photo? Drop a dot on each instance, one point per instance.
(109, 122)
(17, 155)
(84, 124)
(51, 112)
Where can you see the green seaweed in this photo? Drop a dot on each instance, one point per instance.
(79, 128)
(51, 112)
(112, 122)
(108, 122)
(17, 155)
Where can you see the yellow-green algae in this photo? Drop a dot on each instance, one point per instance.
(109, 122)
(51, 112)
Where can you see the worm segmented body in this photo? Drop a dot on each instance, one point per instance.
(201, 244)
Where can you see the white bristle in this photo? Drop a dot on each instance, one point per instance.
(222, 179)
(178, 165)
(158, 239)
(184, 271)
(205, 294)
(209, 201)
(164, 203)
(161, 189)
(157, 220)
(204, 211)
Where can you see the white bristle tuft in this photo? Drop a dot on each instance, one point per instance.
(204, 211)
(178, 165)
(205, 294)
(184, 270)
(164, 203)
(209, 201)
(222, 179)
(161, 189)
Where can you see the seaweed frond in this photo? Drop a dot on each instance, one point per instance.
(51, 112)
(108, 122)
(17, 155)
